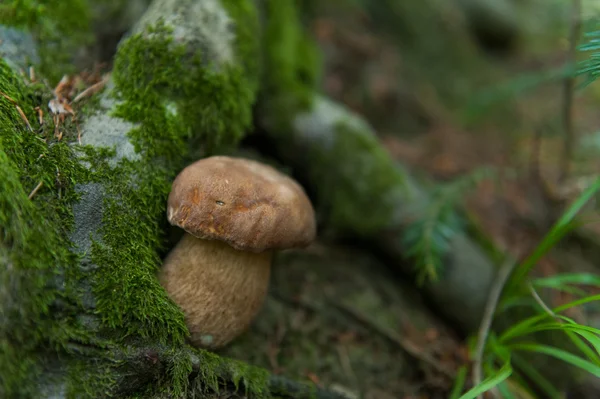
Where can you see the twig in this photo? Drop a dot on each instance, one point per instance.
(93, 89)
(35, 190)
(488, 316)
(568, 89)
(402, 342)
(19, 110)
(9, 98)
(24, 117)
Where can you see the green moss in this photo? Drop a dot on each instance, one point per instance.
(291, 63)
(215, 370)
(179, 108)
(212, 108)
(128, 295)
(355, 194)
(34, 248)
(86, 384)
(208, 374)
(59, 26)
(245, 15)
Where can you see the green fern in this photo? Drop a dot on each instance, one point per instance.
(591, 65)
(428, 239)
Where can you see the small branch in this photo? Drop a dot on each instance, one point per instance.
(35, 190)
(488, 316)
(568, 89)
(93, 89)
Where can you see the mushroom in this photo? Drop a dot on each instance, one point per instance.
(236, 212)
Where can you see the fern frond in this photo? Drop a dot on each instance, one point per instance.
(591, 65)
(428, 239)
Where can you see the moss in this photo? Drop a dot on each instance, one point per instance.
(59, 26)
(291, 63)
(208, 374)
(361, 189)
(214, 368)
(360, 182)
(212, 108)
(176, 106)
(245, 15)
(34, 247)
(86, 384)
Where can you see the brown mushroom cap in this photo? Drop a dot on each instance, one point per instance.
(249, 205)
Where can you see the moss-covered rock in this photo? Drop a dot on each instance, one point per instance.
(39, 293)
(86, 247)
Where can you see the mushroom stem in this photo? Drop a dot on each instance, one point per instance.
(220, 289)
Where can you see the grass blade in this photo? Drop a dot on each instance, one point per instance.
(459, 383)
(559, 230)
(489, 382)
(561, 355)
(540, 381)
(563, 282)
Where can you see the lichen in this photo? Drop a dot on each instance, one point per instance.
(59, 26)
(291, 63)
